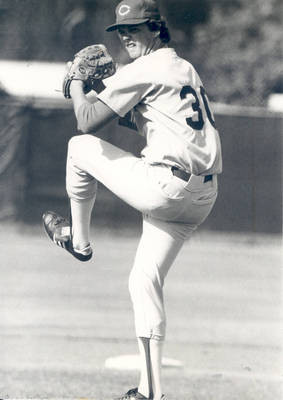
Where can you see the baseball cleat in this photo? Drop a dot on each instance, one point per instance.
(133, 394)
(58, 230)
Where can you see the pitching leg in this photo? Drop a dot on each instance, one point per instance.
(155, 255)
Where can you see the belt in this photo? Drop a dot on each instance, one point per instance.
(185, 176)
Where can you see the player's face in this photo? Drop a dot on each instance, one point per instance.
(137, 39)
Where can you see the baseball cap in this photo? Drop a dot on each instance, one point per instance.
(135, 12)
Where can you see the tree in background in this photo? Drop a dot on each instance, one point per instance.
(240, 50)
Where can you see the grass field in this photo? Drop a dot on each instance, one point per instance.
(60, 319)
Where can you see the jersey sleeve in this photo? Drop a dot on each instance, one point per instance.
(127, 88)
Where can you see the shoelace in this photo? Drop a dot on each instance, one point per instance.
(58, 221)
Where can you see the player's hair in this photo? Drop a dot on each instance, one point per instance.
(160, 26)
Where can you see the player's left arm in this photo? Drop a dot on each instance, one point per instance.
(91, 114)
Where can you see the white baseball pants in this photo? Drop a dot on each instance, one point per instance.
(172, 209)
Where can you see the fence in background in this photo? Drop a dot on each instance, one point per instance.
(33, 174)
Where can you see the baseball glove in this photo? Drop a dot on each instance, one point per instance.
(90, 64)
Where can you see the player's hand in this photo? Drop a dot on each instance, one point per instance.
(91, 64)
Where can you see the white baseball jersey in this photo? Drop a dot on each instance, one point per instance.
(171, 110)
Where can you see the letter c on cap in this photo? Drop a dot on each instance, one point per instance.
(124, 9)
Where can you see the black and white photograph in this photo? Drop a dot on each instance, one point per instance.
(141, 200)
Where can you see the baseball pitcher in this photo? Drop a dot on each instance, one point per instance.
(174, 181)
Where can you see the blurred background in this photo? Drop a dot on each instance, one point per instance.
(236, 46)
(58, 320)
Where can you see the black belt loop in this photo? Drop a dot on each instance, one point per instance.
(208, 178)
(185, 176)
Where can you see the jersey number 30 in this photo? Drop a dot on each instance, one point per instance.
(199, 123)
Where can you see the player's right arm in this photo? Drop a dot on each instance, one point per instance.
(124, 91)
(90, 116)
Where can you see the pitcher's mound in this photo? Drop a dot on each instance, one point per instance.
(132, 362)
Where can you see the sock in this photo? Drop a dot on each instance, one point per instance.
(81, 216)
(85, 251)
(145, 386)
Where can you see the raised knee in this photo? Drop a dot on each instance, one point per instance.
(80, 184)
(77, 142)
